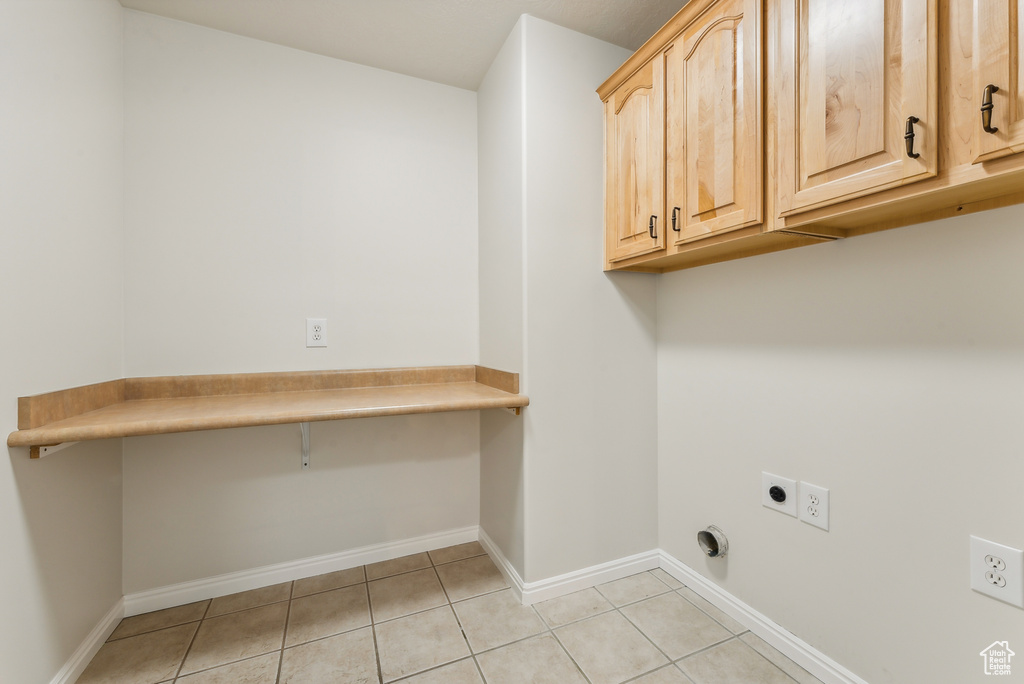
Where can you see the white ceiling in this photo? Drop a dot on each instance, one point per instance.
(448, 41)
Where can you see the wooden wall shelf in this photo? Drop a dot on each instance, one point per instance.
(150, 406)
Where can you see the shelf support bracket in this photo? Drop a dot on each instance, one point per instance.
(40, 451)
(305, 445)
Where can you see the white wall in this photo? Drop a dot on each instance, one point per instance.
(61, 229)
(588, 358)
(265, 185)
(200, 505)
(591, 429)
(500, 136)
(888, 368)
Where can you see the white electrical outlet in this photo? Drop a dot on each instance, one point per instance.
(778, 493)
(316, 332)
(813, 505)
(997, 571)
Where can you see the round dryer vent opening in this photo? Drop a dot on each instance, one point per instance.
(712, 542)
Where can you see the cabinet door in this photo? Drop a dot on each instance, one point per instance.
(713, 112)
(999, 62)
(635, 162)
(850, 75)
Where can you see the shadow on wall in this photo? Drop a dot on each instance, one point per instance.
(930, 285)
(208, 503)
(887, 368)
(502, 489)
(635, 290)
(71, 505)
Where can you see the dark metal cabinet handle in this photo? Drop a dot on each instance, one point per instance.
(987, 107)
(675, 218)
(909, 137)
(652, 227)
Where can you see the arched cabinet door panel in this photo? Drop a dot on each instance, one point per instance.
(713, 123)
(635, 163)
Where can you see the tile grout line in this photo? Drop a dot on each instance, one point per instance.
(707, 648)
(373, 629)
(486, 651)
(451, 604)
(692, 603)
(239, 660)
(551, 631)
(797, 665)
(216, 667)
(546, 628)
(479, 670)
(458, 620)
(151, 631)
(441, 605)
(444, 590)
(192, 642)
(579, 668)
(578, 620)
(547, 631)
(407, 572)
(111, 640)
(451, 607)
(284, 634)
(671, 666)
(675, 661)
(242, 610)
(649, 639)
(406, 678)
(734, 637)
(554, 635)
(766, 657)
(672, 661)
(376, 622)
(618, 609)
(373, 622)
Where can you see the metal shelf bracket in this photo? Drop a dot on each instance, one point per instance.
(305, 445)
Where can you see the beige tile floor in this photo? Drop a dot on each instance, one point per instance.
(443, 617)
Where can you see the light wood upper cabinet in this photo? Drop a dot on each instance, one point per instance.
(851, 77)
(704, 72)
(999, 62)
(713, 123)
(862, 115)
(635, 164)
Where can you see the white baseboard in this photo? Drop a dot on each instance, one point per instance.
(80, 659)
(534, 592)
(797, 650)
(234, 582)
(802, 653)
(504, 566)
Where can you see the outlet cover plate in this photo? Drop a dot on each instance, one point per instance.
(1013, 590)
(789, 505)
(813, 505)
(316, 332)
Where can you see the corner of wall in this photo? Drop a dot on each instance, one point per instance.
(62, 225)
(499, 103)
